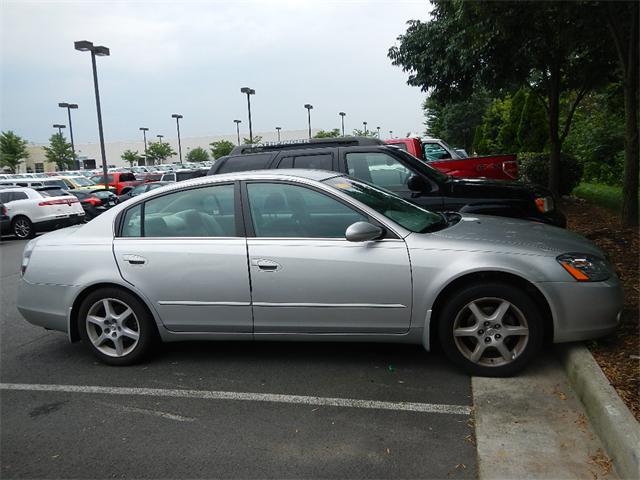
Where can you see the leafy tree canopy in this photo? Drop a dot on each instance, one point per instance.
(327, 133)
(59, 152)
(361, 133)
(130, 157)
(13, 150)
(256, 140)
(221, 148)
(158, 152)
(197, 154)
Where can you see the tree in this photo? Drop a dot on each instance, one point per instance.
(13, 150)
(532, 129)
(158, 152)
(198, 154)
(361, 133)
(456, 121)
(493, 121)
(508, 135)
(552, 47)
(59, 152)
(221, 148)
(256, 140)
(622, 24)
(327, 133)
(131, 157)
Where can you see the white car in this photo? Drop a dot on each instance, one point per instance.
(32, 211)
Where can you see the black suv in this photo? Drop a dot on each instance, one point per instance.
(396, 170)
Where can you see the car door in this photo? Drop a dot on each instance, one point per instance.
(186, 252)
(307, 278)
(387, 171)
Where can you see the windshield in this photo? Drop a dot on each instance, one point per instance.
(408, 215)
(82, 181)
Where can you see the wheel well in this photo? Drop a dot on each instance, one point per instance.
(15, 217)
(484, 277)
(74, 335)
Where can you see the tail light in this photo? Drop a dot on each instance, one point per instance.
(59, 201)
(95, 201)
(3, 210)
(510, 168)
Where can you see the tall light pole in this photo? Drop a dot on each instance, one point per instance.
(144, 136)
(249, 92)
(59, 127)
(178, 117)
(238, 122)
(160, 137)
(378, 128)
(390, 133)
(69, 107)
(365, 128)
(278, 130)
(100, 51)
(309, 107)
(342, 114)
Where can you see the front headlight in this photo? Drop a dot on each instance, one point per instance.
(544, 204)
(585, 268)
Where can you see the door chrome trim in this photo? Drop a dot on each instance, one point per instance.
(330, 305)
(204, 304)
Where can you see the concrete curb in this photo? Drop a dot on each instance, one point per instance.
(612, 421)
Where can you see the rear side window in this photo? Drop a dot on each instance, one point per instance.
(322, 161)
(6, 197)
(127, 177)
(243, 163)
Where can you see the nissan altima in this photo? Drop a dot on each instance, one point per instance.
(315, 256)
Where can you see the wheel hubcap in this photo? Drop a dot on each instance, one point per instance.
(112, 327)
(491, 332)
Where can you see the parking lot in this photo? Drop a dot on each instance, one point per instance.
(227, 409)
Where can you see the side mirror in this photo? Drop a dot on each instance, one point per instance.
(417, 184)
(363, 232)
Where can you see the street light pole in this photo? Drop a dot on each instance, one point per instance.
(365, 128)
(69, 107)
(249, 92)
(101, 51)
(238, 122)
(178, 117)
(378, 131)
(278, 129)
(160, 137)
(309, 107)
(390, 133)
(342, 115)
(144, 135)
(59, 127)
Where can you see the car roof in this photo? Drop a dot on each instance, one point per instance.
(304, 144)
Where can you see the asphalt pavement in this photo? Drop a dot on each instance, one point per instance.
(226, 409)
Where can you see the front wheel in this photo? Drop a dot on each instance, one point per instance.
(491, 330)
(116, 326)
(22, 228)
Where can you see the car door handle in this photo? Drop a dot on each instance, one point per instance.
(266, 265)
(134, 259)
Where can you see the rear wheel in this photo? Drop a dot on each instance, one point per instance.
(22, 227)
(116, 326)
(491, 330)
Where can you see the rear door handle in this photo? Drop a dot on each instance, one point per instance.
(134, 259)
(266, 265)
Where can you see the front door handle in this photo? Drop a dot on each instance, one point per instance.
(134, 259)
(266, 265)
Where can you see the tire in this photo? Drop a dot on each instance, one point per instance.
(22, 228)
(114, 338)
(488, 350)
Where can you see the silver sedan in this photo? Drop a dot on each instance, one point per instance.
(314, 256)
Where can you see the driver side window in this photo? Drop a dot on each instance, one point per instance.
(380, 169)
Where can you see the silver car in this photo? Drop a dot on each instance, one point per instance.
(314, 256)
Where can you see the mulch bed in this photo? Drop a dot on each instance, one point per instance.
(617, 354)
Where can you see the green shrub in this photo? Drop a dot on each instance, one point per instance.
(534, 168)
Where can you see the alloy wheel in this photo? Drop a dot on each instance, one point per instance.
(491, 332)
(22, 228)
(112, 327)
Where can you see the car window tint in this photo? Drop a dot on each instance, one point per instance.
(286, 162)
(242, 163)
(317, 162)
(5, 197)
(198, 212)
(132, 224)
(127, 177)
(282, 210)
(380, 169)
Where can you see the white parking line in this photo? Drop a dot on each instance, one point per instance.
(246, 396)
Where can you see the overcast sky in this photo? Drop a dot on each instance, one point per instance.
(192, 57)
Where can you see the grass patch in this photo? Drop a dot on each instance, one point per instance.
(602, 195)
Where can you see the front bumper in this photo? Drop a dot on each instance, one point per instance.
(583, 310)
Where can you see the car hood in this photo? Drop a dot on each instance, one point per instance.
(501, 234)
(481, 187)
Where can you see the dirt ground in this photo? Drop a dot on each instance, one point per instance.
(619, 354)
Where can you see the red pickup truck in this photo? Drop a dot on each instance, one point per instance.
(452, 162)
(122, 182)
